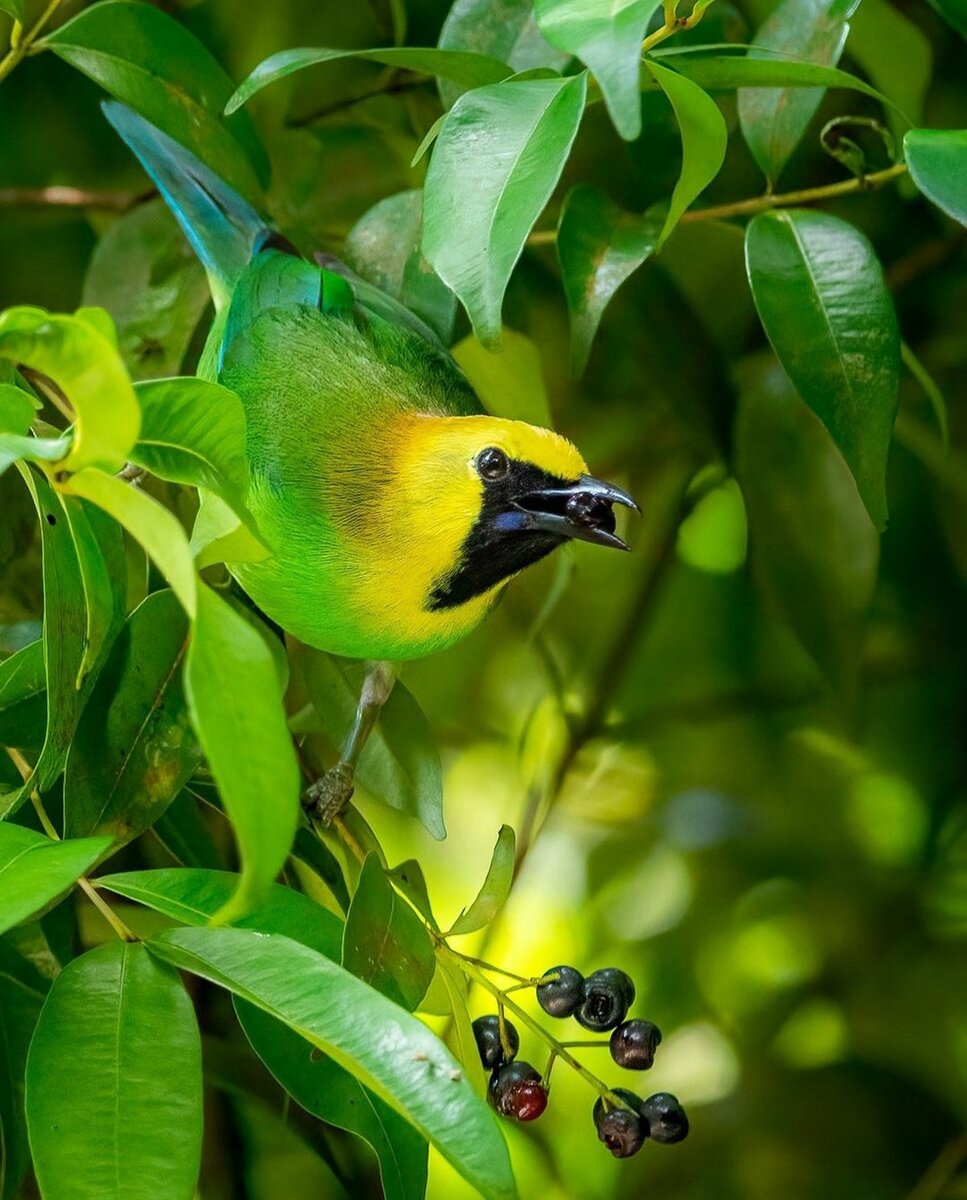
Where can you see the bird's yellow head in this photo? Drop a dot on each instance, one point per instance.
(483, 497)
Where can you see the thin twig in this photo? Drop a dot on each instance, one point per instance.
(21, 42)
(941, 1171)
(71, 197)
(391, 89)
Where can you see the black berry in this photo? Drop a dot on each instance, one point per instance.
(516, 1091)
(623, 1132)
(563, 996)
(665, 1118)
(608, 994)
(633, 1044)
(486, 1031)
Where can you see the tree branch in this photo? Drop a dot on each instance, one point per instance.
(71, 197)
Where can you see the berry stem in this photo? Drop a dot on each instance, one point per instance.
(471, 970)
(595, 1045)
(522, 980)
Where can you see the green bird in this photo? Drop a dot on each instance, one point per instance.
(395, 509)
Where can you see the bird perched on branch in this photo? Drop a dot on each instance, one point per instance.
(394, 508)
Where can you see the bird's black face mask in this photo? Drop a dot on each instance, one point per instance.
(526, 513)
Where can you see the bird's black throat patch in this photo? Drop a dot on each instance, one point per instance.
(494, 549)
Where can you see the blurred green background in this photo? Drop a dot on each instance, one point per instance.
(783, 874)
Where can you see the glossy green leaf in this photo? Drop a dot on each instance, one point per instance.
(496, 161)
(384, 247)
(193, 896)
(820, 293)
(236, 707)
(103, 598)
(158, 530)
(462, 1041)
(86, 367)
(145, 275)
(503, 29)
(23, 704)
(332, 1094)
(937, 159)
(496, 886)
(954, 12)
(16, 410)
(218, 535)
(114, 1086)
(400, 763)
(508, 379)
(408, 878)
(385, 944)
(193, 432)
(407, 1066)
(17, 448)
(598, 246)
(184, 833)
(66, 622)
(795, 482)
(317, 856)
(896, 55)
(134, 748)
(607, 39)
(704, 140)
(22, 992)
(718, 73)
(149, 61)
(329, 1091)
(773, 122)
(468, 69)
(34, 871)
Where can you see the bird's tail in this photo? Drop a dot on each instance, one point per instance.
(223, 229)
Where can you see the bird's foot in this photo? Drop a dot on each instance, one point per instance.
(326, 799)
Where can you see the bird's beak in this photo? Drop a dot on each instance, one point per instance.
(582, 510)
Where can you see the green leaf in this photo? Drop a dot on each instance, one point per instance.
(332, 1094)
(895, 53)
(146, 276)
(954, 12)
(820, 293)
(114, 1086)
(400, 763)
(317, 856)
(193, 432)
(937, 159)
(103, 591)
(67, 621)
(23, 705)
(384, 247)
(599, 246)
(15, 448)
(219, 535)
(467, 69)
(385, 944)
(607, 39)
(794, 482)
(508, 379)
(406, 1065)
(13, 8)
(22, 992)
(704, 140)
(236, 707)
(496, 886)
(773, 122)
(149, 61)
(496, 161)
(149, 523)
(86, 367)
(16, 410)
(408, 878)
(462, 1040)
(719, 73)
(193, 896)
(134, 748)
(35, 871)
(184, 833)
(502, 29)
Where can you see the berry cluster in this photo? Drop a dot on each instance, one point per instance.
(600, 1003)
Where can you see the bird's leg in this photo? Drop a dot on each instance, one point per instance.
(328, 796)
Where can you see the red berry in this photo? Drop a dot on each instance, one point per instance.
(516, 1091)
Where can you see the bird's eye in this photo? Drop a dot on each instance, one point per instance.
(492, 464)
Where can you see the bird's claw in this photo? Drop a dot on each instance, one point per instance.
(326, 799)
